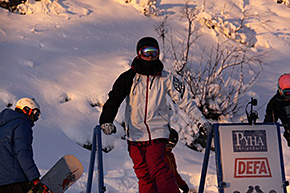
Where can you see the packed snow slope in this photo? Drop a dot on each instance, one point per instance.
(67, 54)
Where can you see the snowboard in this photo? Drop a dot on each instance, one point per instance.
(63, 174)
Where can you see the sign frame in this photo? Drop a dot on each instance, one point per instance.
(216, 134)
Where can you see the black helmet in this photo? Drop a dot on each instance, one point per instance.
(173, 139)
(146, 41)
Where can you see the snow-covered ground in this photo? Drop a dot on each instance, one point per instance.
(67, 54)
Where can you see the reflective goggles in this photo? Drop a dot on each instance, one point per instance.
(286, 93)
(148, 51)
(34, 112)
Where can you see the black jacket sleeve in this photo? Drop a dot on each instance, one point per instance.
(121, 88)
(270, 116)
(278, 108)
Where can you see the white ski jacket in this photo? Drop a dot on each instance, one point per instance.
(147, 114)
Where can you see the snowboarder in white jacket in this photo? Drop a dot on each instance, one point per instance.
(145, 86)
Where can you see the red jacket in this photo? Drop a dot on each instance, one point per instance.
(170, 160)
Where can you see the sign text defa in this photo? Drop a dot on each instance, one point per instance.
(252, 168)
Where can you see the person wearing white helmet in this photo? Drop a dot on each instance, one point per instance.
(279, 105)
(18, 172)
(29, 107)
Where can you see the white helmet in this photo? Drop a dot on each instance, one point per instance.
(27, 102)
(29, 106)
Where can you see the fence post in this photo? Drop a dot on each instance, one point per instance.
(205, 162)
(92, 162)
(102, 188)
(96, 146)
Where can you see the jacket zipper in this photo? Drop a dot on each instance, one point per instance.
(146, 108)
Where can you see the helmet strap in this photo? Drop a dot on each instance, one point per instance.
(27, 111)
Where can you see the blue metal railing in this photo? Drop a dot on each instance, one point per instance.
(96, 146)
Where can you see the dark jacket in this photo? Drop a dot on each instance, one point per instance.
(16, 160)
(278, 108)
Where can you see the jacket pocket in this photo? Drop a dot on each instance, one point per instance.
(164, 113)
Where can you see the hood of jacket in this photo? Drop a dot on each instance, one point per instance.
(143, 67)
(8, 115)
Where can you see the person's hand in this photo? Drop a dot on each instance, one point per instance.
(184, 188)
(108, 128)
(38, 187)
(206, 128)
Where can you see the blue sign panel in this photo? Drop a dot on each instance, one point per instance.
(249, 140)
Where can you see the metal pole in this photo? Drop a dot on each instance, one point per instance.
(92, 162)
(205, 162)
(102, 188)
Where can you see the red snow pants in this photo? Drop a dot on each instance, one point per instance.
(150, 167)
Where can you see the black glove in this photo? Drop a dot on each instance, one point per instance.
(184, 188)
(204, 131)
(206, 128)
(201, 139)
(38, 187)
(286, 135)
(108, 128)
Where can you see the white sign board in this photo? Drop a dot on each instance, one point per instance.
(251, 158)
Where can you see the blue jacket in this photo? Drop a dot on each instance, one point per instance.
(16, 157)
